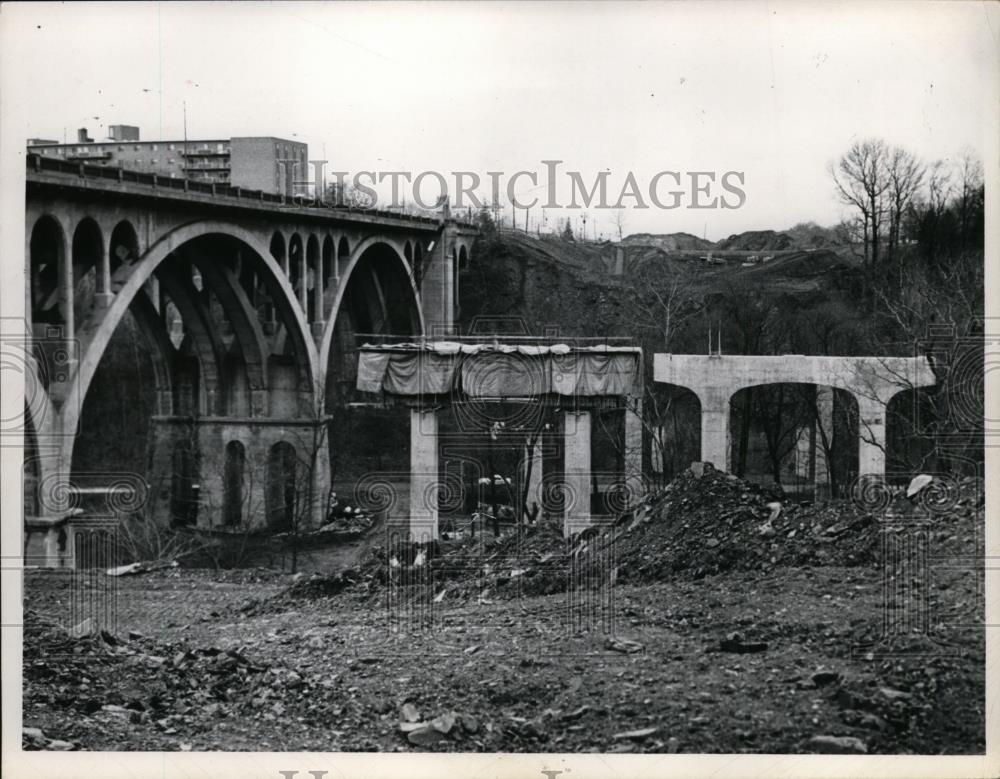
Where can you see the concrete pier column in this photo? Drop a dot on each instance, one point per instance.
(104, 295)
(715, 427)
(318, 301)
(871, 436)
(633, 449)
(423, 474)
(437, 287)
(576, 471)
(304, 284)
(67, 293)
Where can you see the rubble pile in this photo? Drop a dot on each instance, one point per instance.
(708, 522)
(704, 522)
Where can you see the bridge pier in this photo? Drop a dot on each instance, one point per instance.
(871, 436)
(633, 448)
(715, 426)
(104, 295)
(576, 471)
(424, 483)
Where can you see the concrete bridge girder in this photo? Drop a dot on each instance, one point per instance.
(872, 381)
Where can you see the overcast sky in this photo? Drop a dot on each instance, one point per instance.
(774, 90)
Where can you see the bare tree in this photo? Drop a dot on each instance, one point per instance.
(970, 190)
(861, 180)
(620, 220)
(905, 173)
(666, 298)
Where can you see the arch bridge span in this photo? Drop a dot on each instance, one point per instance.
(237, 295)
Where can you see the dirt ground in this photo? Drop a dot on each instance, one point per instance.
(641, 668)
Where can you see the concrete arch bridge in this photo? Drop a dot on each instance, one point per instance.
(247, 304)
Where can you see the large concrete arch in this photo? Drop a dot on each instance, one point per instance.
(356, 255)
(99, 328)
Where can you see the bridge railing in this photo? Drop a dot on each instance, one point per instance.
(39, 163)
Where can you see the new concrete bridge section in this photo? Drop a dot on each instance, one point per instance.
(570, 380)
(873, 381)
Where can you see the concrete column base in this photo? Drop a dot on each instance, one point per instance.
(103, 299)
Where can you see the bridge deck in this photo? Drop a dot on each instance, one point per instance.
(51, 174)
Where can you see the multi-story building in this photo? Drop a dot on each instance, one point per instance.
(249, 162)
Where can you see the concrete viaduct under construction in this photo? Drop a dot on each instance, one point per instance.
(249, 304)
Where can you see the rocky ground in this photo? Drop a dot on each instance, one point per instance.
(801, 654)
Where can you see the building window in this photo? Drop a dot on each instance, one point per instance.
(152, 147)
(152, 162)
(170, 147)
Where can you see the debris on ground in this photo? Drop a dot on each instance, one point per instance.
(144, 566)
(705, 522)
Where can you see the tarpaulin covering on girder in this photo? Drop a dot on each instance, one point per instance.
(497, 370)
